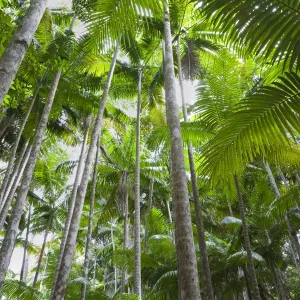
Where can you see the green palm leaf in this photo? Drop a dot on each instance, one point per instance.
(260, 124)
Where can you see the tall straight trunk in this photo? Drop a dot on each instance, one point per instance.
(23, 273)
(37, 272)
(248, 283)
(150, 200)
(185, 250)
(10, 196)
(66, 263)
(293, 235)
(70, 207)
(18, 45)
(114, 248)
(207, 284)
(12, 230)
(251, 268)
(15, 171)
(137, 207)
(125, 229)
(87, 256)
(13, 152)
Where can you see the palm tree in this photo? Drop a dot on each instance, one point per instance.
(71, 239)
(14, 53)
(10, 237)
(187, 268)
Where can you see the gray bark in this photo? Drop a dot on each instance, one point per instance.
(185, 250)
(65, 267)
(256, 294)
(12, 156)
(125, 229)
(25, 254)
(18, 45)
(12, 230)
(15, 171)
(6, 124)
(9, 198)
(70, 208)
(37, 272)
(207, 284)
(87, 256)
(137, 212)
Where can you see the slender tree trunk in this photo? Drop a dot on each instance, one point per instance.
(256, 294)
(207, 284)
(150, 199)
(70, 206)
(185, 250)
(10, 196)
(12, 156)
(40, 259)
(125, 232)
(71, 239)
(90, 227)
(114, 248)
(12, 230)
(18, 45)
(248, 283)
(137, 214)
(6, 124)
(15, 172)
(25, 254)
(293, 235)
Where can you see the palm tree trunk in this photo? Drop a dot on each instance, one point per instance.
(125, 232)
(40, 259)
(207, 284)
(15, 172)
(18, 45)
(293, 235)
(70, 207)
(90, 227)
(9, 198)
(12, 156)
(71, 239)
(247, 241)
(137, 214)
(150, 199)
(23, 273)
(114, 248)
(185, 250)
(12, 230)
(6, 124)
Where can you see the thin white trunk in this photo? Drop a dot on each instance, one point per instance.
(185, 249)
(12, 156)
(9, 198)
(12, 229)
(137, 212)
(18, 45)
(70, 207)
(125, 229)
(25, 253)
(37, 272)
(65, 267)
(90, 227)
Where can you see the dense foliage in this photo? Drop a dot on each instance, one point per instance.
(94, 200)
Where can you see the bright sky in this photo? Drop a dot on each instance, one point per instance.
(60, 3)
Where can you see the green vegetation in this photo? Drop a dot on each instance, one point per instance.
(150, 150)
